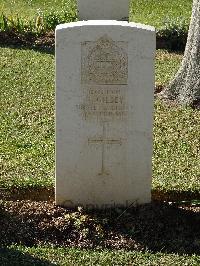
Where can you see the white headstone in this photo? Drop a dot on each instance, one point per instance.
(104, 113)
(103, 9)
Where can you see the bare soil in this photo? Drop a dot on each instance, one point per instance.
(46, 40)
(153, 227)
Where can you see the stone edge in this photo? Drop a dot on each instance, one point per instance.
(105, 23)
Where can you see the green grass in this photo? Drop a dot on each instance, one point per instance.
(30, 9)
(176, 161)
(19, 255)
(160, 13)
(27, 117)
(27, 125)
(35, 17)
(166, 66)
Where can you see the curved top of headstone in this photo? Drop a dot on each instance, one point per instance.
(137, 26)
(103, 9)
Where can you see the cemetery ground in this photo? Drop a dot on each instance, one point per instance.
(151, 12)
(35, 21)
(164, 232)
(33, 231)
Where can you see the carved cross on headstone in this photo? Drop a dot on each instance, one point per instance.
(104, 141)
(103, 9)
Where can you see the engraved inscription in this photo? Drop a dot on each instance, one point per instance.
(105, 103)
(104, 79)
(104, 62)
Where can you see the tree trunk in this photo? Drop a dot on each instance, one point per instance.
(185, 87)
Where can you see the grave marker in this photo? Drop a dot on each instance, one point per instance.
(103, 9)
(104, 113)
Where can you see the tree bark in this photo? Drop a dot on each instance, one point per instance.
(185, 86)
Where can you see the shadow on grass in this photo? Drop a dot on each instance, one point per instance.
(175, 196)
(41, 49)
(43, 43)
(154, 227)
(46, 41)
(46, 194)
(12, 257)
(161, 227)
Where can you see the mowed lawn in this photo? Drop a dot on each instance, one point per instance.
(29, 9)
(27, 139)
(27, 125)
(27, 118)
(19, 255)
(159, 13)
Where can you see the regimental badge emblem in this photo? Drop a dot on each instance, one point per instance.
(104, 62)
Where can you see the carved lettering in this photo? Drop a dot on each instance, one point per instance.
(104, 77)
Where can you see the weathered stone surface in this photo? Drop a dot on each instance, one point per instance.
(103, 9)
(104, 113)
